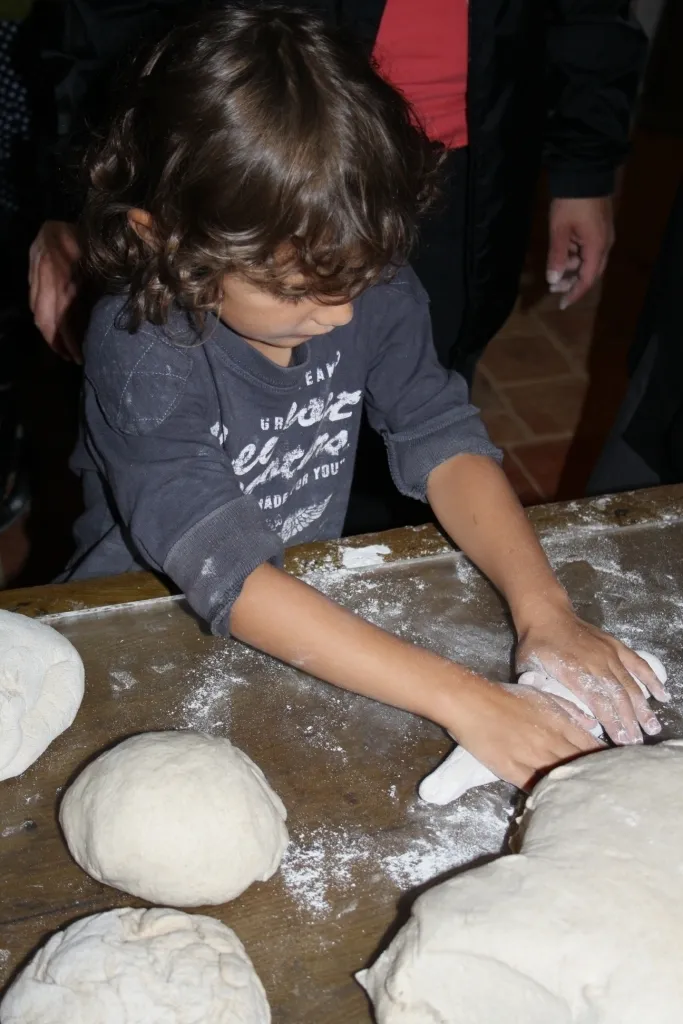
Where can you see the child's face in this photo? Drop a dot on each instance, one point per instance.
(260, 317)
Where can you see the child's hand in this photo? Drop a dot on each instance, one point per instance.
(595, 667)
(520, 733)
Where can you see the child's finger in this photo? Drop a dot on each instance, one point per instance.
(638, 667)
(585, 722)
(611, 704)
(646, 717)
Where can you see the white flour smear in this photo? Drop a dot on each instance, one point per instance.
(329, 866)
(122, 680)
(207, 705)
(361, 558)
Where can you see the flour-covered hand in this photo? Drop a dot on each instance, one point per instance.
(596, 667)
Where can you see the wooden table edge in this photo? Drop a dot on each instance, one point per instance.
(629, 509)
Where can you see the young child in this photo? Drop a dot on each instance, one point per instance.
(250, 214)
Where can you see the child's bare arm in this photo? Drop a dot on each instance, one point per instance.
(517, 734)
(476, 505)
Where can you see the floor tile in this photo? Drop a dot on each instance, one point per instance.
(524, 358)
(543, 462)
(550, 301)
(520, 322)
(525, 490)
(484, 395)
(552, 408)
(573, 329)
(505, 428)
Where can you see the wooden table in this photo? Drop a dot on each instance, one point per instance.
(346, 768)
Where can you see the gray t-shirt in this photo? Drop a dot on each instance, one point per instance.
(201, 459)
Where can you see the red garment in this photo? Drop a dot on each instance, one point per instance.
(422, 49)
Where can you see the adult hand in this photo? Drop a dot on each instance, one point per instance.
(581, 236)
(53, 284)
(597, 668)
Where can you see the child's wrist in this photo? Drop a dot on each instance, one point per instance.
(542, 607)
(458, 698)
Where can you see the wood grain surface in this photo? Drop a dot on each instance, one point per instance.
(346, 768)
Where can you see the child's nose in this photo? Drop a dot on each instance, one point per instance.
(335, 316)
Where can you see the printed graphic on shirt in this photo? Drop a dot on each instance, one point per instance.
(219, 431)
(306, 444)
(302, 519)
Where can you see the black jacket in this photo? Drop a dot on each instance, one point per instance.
(546, 77)
(655, 431)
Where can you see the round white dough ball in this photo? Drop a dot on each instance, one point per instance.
(139, 967)
(180, 818)
(41, 689)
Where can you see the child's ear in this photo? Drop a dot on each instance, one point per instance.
(142, 224)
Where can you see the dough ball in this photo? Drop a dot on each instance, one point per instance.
(175, 817)
(139, 967)
(41, 689)
(585, 924)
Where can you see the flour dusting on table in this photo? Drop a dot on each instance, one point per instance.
(207, 705)
(326, 866)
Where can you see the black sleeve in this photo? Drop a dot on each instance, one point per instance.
(98, 37)
(173, 486)
(596, 53)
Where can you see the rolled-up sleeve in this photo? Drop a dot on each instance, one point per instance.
(421, 410)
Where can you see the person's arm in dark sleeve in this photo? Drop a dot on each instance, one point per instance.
(595, 52)
(96, 39)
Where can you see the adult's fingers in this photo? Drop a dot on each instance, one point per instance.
(44, 308)
(558, 253)
(69, 345)
(34, 276)
(592, 255)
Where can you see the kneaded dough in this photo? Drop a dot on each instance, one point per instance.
(139, 967)
(461, 771)
(177, 818)
(41, 689)
(583, 926)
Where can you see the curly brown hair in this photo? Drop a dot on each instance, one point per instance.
(261, 143)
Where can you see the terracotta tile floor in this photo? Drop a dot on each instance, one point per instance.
(548, 386)
(531, 386)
